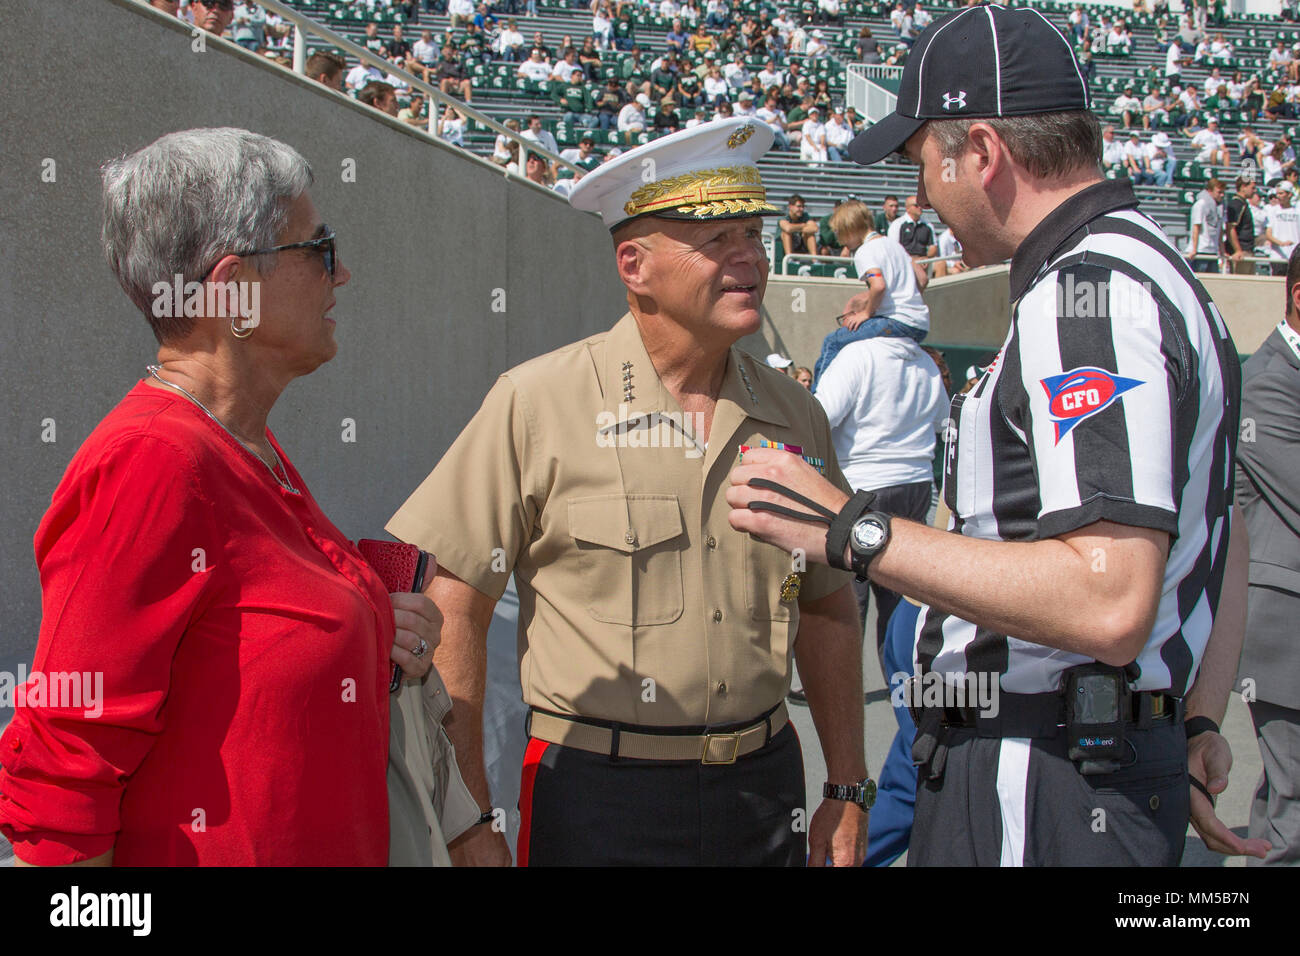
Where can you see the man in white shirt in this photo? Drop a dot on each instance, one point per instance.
(1127, 107)
(1112, 149)
(949, 246)
(1206, 243)
(1160, 159)
(736, 72)
(631, 118)
(566, 67)
(920, 18)
(1282, 229)
(669, 9)
(838, 136)
(1173, 62)
(772, 114)
(769, 75)
(424, 49)
(461, 12)
(535, 68)
(1210, 146)
(1213, 82)
(510, 42)
(816, 44)
(1135, 159)
(361, 74)
(1154, 112)
(1117, 41)
(812, 143)
(829, 11)
(540, 136)
(885, 401)
(745, 104)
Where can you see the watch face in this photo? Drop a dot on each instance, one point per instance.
(868, 534)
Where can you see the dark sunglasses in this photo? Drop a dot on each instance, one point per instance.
(326, 243)
(218, 4)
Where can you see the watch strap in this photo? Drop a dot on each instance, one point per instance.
(837, 538)
(1199, 725)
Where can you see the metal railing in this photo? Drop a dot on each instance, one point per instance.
(437, 99)
(869, 98)
(811, 260)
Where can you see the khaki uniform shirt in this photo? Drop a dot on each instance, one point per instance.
(638, 603)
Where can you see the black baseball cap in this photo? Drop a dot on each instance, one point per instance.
(980, 62)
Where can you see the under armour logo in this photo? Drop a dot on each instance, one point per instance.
(959, 99)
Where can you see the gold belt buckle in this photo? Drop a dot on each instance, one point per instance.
(709, 750)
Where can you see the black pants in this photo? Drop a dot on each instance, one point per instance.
(584, 809)
(1021, 802)
(903, 501)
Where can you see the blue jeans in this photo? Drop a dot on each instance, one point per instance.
(874, 326)
(889, 829)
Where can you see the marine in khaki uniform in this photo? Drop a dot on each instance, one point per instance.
(655, 641)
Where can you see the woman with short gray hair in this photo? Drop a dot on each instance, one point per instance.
(243, 643)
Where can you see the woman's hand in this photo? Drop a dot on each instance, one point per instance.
(419, 622)
(854, 319)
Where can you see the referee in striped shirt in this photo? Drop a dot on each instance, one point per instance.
(1067, 679)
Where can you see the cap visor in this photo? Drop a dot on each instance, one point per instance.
(886, 137)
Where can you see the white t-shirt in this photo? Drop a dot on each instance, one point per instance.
(1134, 151)
(1112, 152)
(1207, 214)
(948, 244)
(542, 138)
(464, 8)
(838, 133)
(536, 70)
(1212, 84)
(1208, 142)
(812, 147)
(736, 74)
(769, 77)
(509, 38)
(1173, 60)
(1285, 226)
(630, 117)
(564, 70)
(715, 86)
(902, 299)
(816, 47)
(424, 52)
(1156, 162)
(885, 402)
(921, 19)
(361, 74)
(1126, 103)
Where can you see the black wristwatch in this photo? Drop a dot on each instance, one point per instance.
(863, 793)
(865, 533)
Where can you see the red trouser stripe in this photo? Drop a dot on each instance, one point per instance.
(532, 759)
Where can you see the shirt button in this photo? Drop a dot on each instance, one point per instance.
(710, 542)
(717, 615)
(630, 537)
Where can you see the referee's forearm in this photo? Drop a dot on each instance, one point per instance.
(1045, 592)
(829, 655)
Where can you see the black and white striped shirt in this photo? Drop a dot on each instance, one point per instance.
(1116, 396)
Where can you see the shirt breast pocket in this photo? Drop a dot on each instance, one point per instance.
(630, 557)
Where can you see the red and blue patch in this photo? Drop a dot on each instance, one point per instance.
(1081, 393)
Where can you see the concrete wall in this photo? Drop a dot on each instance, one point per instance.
(971, 311)
(428, 233)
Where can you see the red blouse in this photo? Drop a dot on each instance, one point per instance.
(244, 650)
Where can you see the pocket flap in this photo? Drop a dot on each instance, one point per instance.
(625, 522)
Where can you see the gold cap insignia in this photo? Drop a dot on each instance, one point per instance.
(706, 192)
(790, 587)
(738, 138)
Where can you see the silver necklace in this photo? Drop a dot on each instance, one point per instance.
(154, 369)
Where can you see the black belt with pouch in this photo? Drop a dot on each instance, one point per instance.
(1093, 707)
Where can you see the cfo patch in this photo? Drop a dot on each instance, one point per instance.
(1081, 393)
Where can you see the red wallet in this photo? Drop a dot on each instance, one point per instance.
(402, 567)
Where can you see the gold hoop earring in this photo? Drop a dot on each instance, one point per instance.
(247, 330)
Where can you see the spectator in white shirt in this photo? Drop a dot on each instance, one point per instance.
(535, 68)
(1173, 62)
(838, 136)
(510, 43)
(1160, 159)
(736, 72)
(424, 49)
(1213, 82)
(1282, 228)
(1117, 41)
(1154, 112)
(920, 18)
(828, 11)
(812, 143)
(461, 12)
(669, 9)
(1205, 245)
(1127, 107)
(540, 136)
(1220, 49)
(1112, 149)
(361, 74)
(631, 118)
(567, 66)
(769, 75)
(716, 87)
(816, 45)
(1212, 150)
(772, 114)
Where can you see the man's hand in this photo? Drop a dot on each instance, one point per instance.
(1209, 758)
(796, 474)
(853, 319)
(480, 846)
(838, 833)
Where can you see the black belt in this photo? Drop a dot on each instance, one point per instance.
(1022, 715)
